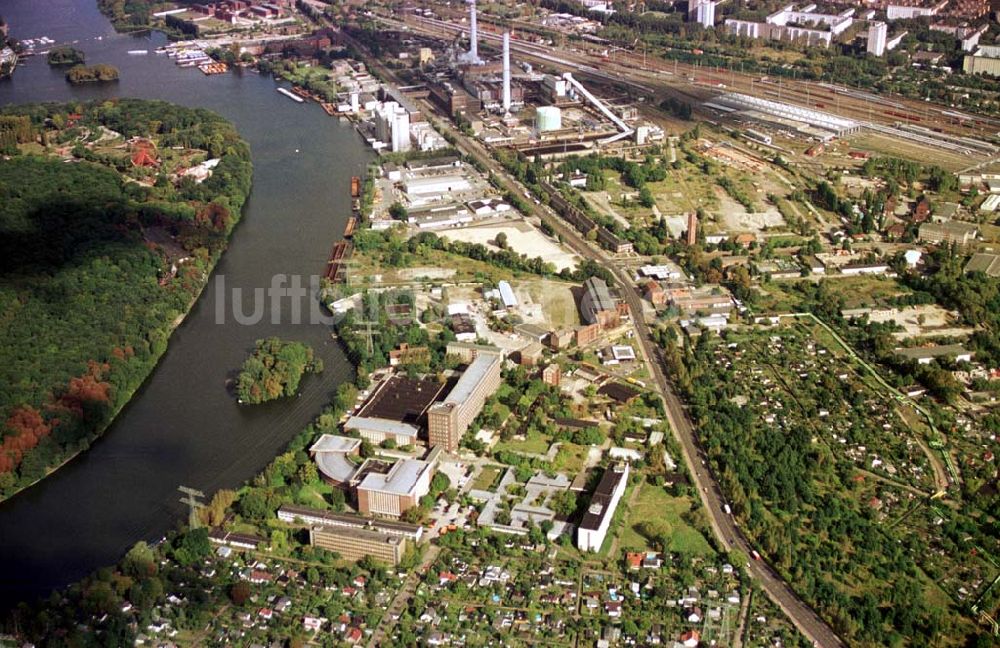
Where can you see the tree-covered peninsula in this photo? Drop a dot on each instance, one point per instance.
(274, 370)
(110, 222)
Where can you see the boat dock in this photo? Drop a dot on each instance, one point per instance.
(213, 68)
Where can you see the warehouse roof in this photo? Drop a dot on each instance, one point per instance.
(471, 377)
(401, 399)
(384, 426)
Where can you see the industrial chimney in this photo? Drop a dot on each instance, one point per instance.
(473, 34)
(506, 72)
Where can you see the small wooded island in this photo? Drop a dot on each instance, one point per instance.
(92, 73)
(66, 56)
(274, 370)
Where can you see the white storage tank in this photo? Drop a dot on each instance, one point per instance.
(548, 118)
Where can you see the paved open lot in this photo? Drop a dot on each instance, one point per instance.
(522, 237)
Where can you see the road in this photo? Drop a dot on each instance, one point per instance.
(723, 525)
(398, 604)
(808, 622)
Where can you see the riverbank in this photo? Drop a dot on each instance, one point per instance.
(182, 425)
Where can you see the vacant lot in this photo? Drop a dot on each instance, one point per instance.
(883, 145)
(657, 514)
(549, 302)
(522, 237)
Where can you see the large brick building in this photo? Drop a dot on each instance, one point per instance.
(447, 421)
(598, 306)
(354, 544)
(391, 493)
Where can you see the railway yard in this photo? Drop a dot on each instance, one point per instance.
(920, 122)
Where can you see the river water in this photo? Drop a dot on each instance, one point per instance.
(183, 427)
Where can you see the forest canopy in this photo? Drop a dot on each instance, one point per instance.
(96, 270)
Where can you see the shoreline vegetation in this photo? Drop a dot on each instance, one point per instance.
(275, 370)
(122, 230)
(99, 73)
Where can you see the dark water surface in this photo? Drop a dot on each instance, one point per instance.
(183, 427)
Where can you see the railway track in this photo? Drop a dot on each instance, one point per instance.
(654, 76)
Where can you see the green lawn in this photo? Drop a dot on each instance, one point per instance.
(570, 459)
(656, 511)
(315, 494)
(535, 442)
(485, 479)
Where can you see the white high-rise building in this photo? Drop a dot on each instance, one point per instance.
(702, 12)
(877, 33)
(401, 130)
(392, 126)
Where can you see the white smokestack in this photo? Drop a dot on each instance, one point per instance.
(506, 72)
(473, 34)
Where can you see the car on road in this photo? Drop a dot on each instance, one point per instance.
(729, 511)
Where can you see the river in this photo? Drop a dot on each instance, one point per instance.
(183, 427)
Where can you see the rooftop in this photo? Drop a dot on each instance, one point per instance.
(330, 453)
(401, 479)
(401, 399)
(361, 534)
(471, 377)
(384, 426)
(598, 294)
(353, 521)
(600, 503)
(984, 262)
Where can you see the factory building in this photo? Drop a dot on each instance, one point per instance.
(948, 232)
(598, 306)
(392, 126)
(447, 421)
(355, 544)
(391, 493)
(435, 185)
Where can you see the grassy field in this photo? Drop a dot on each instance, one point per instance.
(655, 511)
(534, 443)
(557, 300)
(364, 267)
(486, 478)
(315, 494)
(883, 145)
(570, 459)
